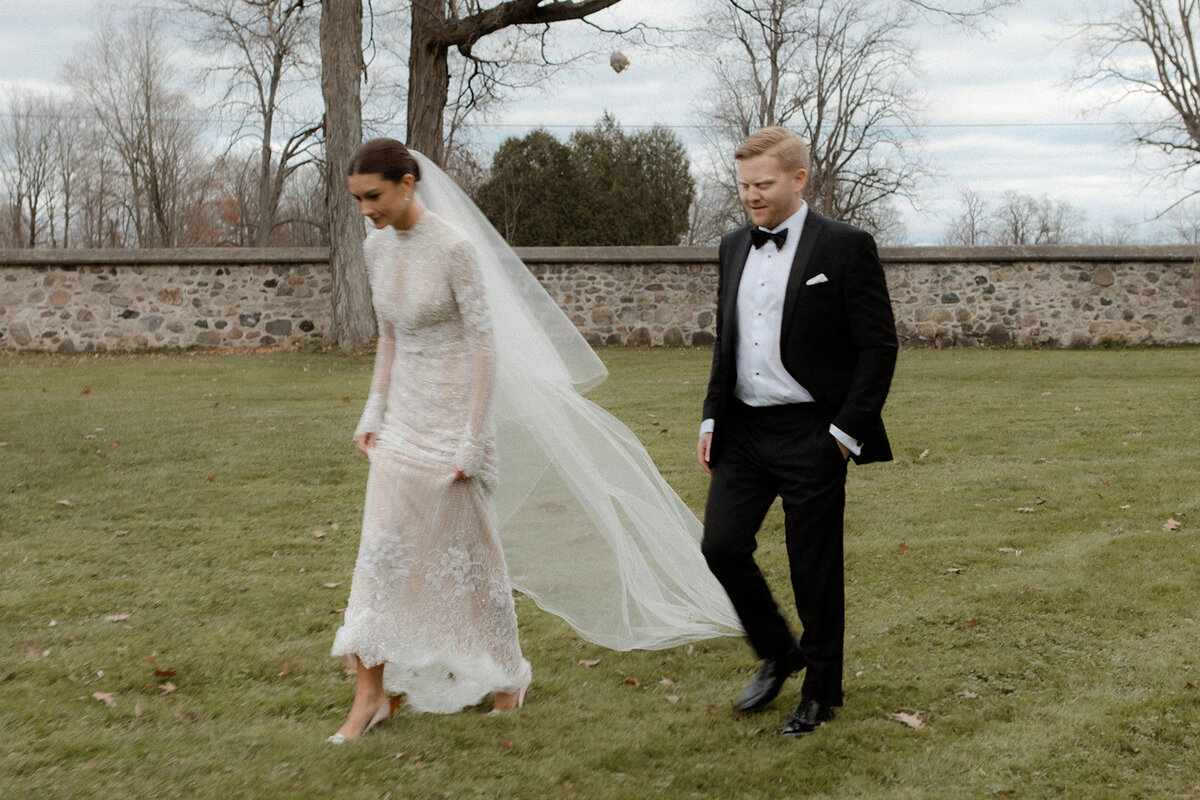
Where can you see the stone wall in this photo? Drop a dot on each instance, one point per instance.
(632, 295)
(1055, 296)
(137, 299)
(69, 301)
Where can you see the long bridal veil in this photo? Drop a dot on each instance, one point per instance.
(591, 531)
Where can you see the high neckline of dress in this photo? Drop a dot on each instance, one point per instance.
(405, 232)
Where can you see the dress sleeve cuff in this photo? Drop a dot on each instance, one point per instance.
(372, 416)
(468, 457)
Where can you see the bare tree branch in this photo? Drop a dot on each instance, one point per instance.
(1148, 50)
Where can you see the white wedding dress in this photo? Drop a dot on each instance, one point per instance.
(478, 368)
(430, 595)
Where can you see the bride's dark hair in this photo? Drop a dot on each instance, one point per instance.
(386, 157)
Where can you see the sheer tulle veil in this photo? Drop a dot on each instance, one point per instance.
(591, 531)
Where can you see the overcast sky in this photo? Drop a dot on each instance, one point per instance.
(998, 110)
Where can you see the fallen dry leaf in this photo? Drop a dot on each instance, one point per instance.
(66, 503)
(106, 698)
(332, 585)
(167, 687)
(632, 682)
(117, 617)
(672, 698)
(588, 662)
(911, 720)
(666, 682)
(95, 762)
(1024, 510)
(1012, 550)
(164, 673)
(120, 533)
(318, 534)
(924, 453)
(954, 570)
(1172, 524)
(967, 693)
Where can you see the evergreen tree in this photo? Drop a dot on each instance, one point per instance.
(601, 188)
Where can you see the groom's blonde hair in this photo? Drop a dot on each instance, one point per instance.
(784, 144)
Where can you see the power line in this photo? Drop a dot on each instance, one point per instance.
(223, 122)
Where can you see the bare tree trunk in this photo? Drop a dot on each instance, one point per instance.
(436, 27)
(429, 78)
(341, 71)
(267, 199)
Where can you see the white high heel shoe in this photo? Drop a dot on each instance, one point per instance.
(381, 715)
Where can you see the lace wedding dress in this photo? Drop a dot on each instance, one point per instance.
(430, 595)
(477, 367)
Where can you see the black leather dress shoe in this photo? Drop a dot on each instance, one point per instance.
(806, 718)
(769, 680)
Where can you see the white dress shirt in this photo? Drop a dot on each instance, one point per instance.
(762, 380)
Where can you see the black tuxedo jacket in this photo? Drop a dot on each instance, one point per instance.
(839, 336)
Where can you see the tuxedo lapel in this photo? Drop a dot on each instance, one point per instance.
(738, 251)
(801, 266)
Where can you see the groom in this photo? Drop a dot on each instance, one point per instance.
(806, 346)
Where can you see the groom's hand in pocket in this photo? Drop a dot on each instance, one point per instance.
(703, 450)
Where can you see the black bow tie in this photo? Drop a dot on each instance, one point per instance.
(759, 237)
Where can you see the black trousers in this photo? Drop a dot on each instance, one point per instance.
(785, 451)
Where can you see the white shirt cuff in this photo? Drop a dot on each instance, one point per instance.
(852, 444)
(707, 426)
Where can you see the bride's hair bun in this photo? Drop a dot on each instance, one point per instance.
(386, 157)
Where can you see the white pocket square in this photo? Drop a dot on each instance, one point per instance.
(814, 280)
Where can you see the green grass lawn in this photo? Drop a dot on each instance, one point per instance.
(177, 536)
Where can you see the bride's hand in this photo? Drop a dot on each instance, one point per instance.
(366, 443)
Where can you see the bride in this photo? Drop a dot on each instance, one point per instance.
(489, 470)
